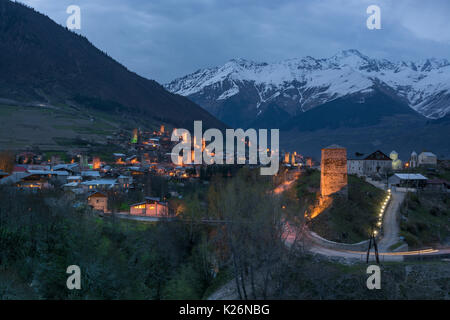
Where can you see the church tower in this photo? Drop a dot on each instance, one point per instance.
(414, 160)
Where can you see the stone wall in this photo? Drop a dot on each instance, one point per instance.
(360, 246)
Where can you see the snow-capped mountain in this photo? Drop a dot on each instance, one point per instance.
(241, 91)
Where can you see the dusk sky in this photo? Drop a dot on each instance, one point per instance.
(165, 39)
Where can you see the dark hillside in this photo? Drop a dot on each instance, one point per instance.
(43, 62)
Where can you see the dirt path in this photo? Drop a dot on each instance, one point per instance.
(390, 222)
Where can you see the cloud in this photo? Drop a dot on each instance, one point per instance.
(164, 39)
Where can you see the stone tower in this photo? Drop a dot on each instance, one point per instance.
(333, 176)
(134, 139)
(286, 157)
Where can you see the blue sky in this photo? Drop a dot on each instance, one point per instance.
(165, 39)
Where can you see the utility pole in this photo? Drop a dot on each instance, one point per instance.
(375, 247)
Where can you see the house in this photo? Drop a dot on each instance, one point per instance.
(14, 178)
(31, 181)
(98, 201)
(90, 174)
(125, 181)
(100, 184)
(70, 185)
(77, 179)
(375, 163)
(28, 158)
(40, 178)
(437, 185)
(136, 171)
(427, 159)
(152, 207)
(119, 157)
(408, 180)
(72, 182)
(132, 160)
(310, 162)
(72, 168)
(60, 175)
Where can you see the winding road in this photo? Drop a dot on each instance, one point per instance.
(391, 228)
(390, 234)
(390, 231)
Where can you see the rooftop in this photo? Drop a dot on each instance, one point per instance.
(334, 146)
(100, 182)
(65, 166)
(428, 154)
(411, 176)
(71, 184)
(45, 172)
(90, 174)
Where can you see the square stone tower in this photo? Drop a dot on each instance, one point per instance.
(333, 176)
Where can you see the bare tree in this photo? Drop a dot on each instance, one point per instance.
(255, 233)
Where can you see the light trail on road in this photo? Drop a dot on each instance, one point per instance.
(291, 234)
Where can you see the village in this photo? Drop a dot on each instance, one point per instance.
(92, 181)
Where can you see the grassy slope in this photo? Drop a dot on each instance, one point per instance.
(318, 278)
(59, 128)
(42, 61)
(426, 216)
(425, 219)
(348, 220)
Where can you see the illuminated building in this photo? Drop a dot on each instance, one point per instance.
(98, 201)
(427, 159)
(333, 179)
(151, 207)
(376, 162)
(408, 180)
(396, 162)
(413, 162)
(96, 163)
(134, 139)
(333, 175)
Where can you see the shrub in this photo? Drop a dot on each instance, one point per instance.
(410, 239)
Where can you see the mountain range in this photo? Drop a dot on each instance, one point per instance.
(297, 85)
(353, 99)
